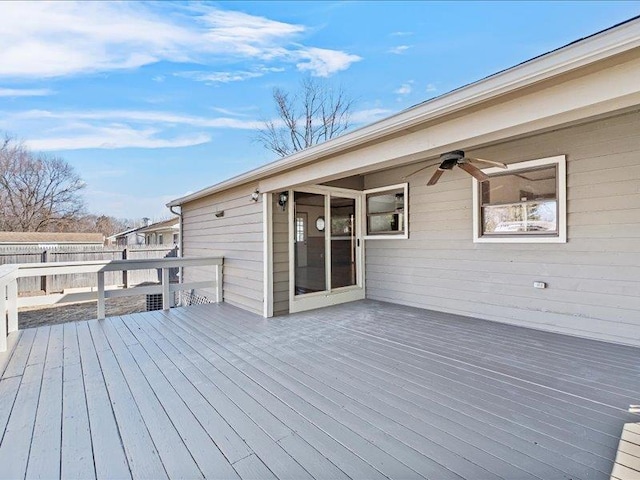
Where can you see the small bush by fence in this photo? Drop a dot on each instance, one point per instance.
(72, 253)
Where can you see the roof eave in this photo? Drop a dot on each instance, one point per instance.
(563, 60)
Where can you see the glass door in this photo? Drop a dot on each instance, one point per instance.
(343, 242)
(309, 250)
(325, 248)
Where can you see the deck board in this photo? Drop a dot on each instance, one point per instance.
(363, 390)
(77, 447)
(175, 456)
(355, 388)
(141, 453)
(108, 453)
(386, 443)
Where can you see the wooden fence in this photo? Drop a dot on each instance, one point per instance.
(69, 253)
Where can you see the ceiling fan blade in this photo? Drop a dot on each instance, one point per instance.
(489, 162)
(435, 177)
(420, 170)
(474, 171)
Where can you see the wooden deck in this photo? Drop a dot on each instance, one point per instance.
(365, 390)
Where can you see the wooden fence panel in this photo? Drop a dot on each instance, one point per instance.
(143, 276)
(82, 280)
(30, 255)
(77, 253)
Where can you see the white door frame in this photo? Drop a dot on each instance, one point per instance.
(330, 296)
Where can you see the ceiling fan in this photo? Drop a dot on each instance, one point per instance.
(457, 159)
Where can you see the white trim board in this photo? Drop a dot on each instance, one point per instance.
(267, 240)
(330, 296)
(403, 236)
(561, 162)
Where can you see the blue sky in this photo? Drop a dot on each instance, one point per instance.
(150, 101)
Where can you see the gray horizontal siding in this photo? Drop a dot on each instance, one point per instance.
(593, 280)
(237, 236)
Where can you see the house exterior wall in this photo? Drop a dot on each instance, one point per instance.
(153, 238)
(237, 236)
(593, 280)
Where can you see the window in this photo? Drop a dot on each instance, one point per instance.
(159, 239)
(176, 238)
(386, 212)
(525, 203)
(301, 228)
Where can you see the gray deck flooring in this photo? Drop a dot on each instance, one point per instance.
(366, 390)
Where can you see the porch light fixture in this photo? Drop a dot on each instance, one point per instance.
(255, 195)
(282, 200)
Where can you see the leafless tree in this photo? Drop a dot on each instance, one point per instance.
(38, 192)
(104, 224)
(314, 114)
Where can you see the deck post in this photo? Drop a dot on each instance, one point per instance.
(166, 303)
(44, 284)
(101, 304)
(3, 319)
(125, 273)
(12, 306)
(219, 283)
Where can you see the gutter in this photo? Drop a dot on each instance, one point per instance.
(597, 47)
(179, 215)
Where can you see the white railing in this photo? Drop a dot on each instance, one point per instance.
(9, 274)
(8, 303)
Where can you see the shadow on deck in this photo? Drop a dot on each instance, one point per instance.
(362, 390)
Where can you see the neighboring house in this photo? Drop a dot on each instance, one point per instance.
(550, 243)
(50, 239)
(166, 232)
(131, 236)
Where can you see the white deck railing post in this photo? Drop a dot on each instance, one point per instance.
(12, 306)
(101, 304)
(166, 303)
(3, 318)
(219, 283)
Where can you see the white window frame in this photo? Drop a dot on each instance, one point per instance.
(399, 236)
(561, 162)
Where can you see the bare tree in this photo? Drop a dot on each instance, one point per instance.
(37, 192)
(314, 114)
(104, 224)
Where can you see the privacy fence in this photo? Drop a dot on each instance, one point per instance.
(58, 283)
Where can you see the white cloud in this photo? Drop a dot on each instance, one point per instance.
(431, 88)
(114, 136)
(363, 117)
(400, 49)
(401, 34)
(236, 112)
(404, 89)
(52, 39)
(227, 77)
(321, 62)
(141, 116)
(110, 129)
(25, 92)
